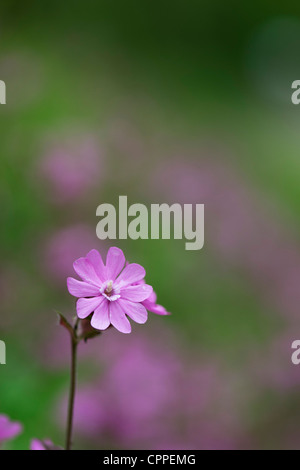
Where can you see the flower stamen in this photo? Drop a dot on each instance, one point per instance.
(109, 288)
(110, 292)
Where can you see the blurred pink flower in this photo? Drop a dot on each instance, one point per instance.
(108, 291)
(37, 444)
(139, 384)
(61, 248)
(72, 168)
(211, 406)
(166, 401)
(9, 429)
(91, 412)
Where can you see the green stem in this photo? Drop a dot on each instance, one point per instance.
(74, 343)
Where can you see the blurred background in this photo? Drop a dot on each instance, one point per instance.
(164, 101)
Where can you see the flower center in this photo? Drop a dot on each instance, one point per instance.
(109, 292)
(109, 289)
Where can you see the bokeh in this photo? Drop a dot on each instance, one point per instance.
(164, 101)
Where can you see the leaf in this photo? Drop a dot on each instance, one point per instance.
(91, 335)
(64, 322)
(86, 331)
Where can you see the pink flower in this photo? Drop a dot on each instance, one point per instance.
(36, 444)
(8, 429)
(150, 303)
(71, 168)
(109, 291)
(46, 444)
(62, 247)
(186, 403)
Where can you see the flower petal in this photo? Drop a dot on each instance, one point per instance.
(85, 307)
(36, 444)
(136, 293)
(86, 271)
(152, 298)
(155, 308)
(131, 274)
(118, 318)
(100, 320)
(81, 289)
(115, 261)
(135, 310)
(95, 260)
(9, 429)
